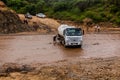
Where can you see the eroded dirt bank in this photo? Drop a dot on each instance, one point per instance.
(10, 21)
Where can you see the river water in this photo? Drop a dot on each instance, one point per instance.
(27, 49)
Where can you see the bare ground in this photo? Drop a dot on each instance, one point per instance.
(34, 57)
(84, 69)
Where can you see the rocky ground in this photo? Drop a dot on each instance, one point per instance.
(84, 69)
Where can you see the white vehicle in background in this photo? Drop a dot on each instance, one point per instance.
(70, 35)
(41, 15)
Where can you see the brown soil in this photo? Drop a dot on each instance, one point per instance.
(84, 69)
(31, 56)
(46, 25)
(10, 22)
(34, 57)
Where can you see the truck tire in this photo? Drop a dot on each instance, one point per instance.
(63, 42)
(80, 46)
(65, 46)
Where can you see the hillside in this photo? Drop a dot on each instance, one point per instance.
(10, 21)
(74, 10)
(46, 25)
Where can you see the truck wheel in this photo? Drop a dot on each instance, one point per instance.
(80, 46)
(65, 46)
(63, 42)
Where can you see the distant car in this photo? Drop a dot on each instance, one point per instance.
(41, 15)
(28, 15)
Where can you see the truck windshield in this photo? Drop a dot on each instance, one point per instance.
(73, 32)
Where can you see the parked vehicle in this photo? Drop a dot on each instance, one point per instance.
(28, 15)
(41, 15)
(70, 35)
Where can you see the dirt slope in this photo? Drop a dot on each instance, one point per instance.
(10, 21)
(46, 23)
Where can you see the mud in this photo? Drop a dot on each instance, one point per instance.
(26, 49)
(35, 57)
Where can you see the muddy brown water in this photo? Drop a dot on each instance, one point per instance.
(27, 49)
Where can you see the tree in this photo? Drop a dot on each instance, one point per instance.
(60, 6)
(40, 6)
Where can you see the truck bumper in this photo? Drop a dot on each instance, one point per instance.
(74, 43)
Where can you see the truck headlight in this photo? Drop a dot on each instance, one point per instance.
(80, 39)
(67, 39)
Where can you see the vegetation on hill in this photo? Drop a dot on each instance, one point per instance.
(75, 10)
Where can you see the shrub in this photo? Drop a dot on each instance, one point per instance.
(94, 15)
(117, 20)
(114, 9)
(89, 14)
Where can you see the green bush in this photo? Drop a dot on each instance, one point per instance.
(114, 9)
(82, 17)
(30, 9)
(60, 6)
(89, 14)
(75, 11)
(94, 15)
(118, 13)
(117, 20)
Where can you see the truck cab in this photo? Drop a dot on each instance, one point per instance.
(70, 35)
(73, 37)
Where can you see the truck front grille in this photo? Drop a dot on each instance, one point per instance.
(74, 39)
(74, 43)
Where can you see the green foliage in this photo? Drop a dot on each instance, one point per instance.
(39, 7)
(117, 20)
(60, 6)
(76, 10)
(94, 15)
(114, 9)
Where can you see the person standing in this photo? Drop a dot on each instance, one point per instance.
(25, 21)
(95, 28)
(98, 28)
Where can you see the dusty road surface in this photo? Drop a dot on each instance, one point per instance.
(28, 49)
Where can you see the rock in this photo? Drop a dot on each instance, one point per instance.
(26, 68)
(3, 74)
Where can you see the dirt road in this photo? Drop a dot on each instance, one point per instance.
(28, 49)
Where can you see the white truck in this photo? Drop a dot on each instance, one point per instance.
(70, 35)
